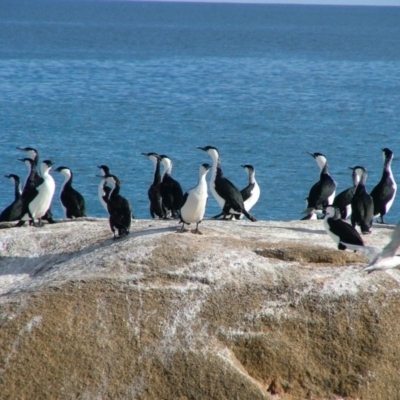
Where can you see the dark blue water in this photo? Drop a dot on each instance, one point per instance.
(91, 83)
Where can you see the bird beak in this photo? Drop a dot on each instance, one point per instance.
(311, 154)
(201, 148)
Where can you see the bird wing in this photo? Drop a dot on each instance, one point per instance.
(246, 192)
(348, 234)
(321, 191)
(184, 198)
(227, 190)
(392, 247)
(369, 251)
(120, 211)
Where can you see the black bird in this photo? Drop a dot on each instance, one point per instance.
(362, 204)
(224, 191)
(13, 212)
(384, 192)
(322, 192)
(154, 193)
(170, 189)
(343, 200)
(72, 201)
(119, 209)
(35, 178)
(340, 231)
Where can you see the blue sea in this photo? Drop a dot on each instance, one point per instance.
(100, 82)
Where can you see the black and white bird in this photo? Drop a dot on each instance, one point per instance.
(362, 204)
(251, 193)
(72, 201)
(119, 209)
(384, 192)
(37, 207)
(170, 189)
(195, 201)
(381, 259)
(13, 212)
(224, 191)
(36, 179)
(342, 201)
(154, 193)
(322, 192)
(103, 191)
(339, 230)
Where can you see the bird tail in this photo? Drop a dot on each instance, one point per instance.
(248, 216)
(368, 251)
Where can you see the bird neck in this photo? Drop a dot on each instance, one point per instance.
(17, 189)
(252, 177)
(157, 172)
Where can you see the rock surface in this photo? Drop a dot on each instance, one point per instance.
(264, 310)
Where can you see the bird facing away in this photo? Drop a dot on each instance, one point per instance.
(154, 193)
(381, 259)
(343, 200)
(339, 230)
(223, 190)
(103, 190)
(384, 192)
(322, 192)
(13, 212)
(195, 201)
(362, 205)
(37, 207)
(72, 201)
(170, 189)
(119, 209)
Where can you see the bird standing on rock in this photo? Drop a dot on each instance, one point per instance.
(224, 191)
(195, 201)
(119, 208)
(384, 192)
(170, 189)
(37, 206)
(154, 193)
(322, 192)
(362, 204)
(36, 179)
(72, 201)
(13, 212)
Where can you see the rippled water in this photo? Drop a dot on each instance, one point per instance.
(91, 83)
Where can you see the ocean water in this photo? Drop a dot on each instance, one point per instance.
(100, 82)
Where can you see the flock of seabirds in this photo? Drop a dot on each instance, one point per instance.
(32, 201)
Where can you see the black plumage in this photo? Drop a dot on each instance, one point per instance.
(72, 201)
(13, 212)
(322, 192)
(224, 191)
(154, 193)
(170, 189)
(384, 192)
(339, 230)
(362, 204)
(343, 200)
(119, 209)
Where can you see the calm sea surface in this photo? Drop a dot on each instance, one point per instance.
(91, 83)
